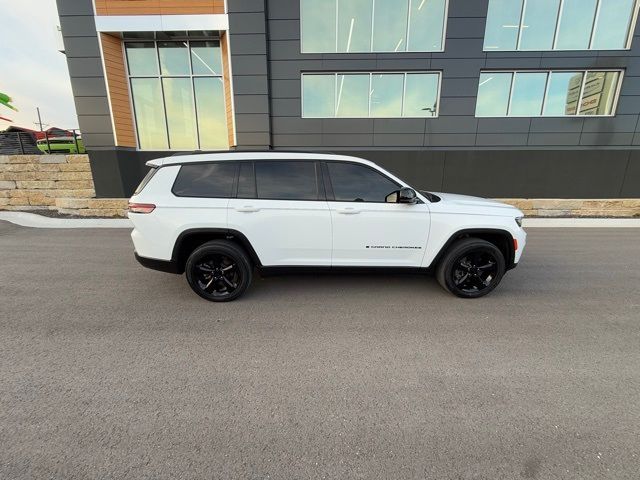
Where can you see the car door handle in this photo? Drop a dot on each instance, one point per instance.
(347, 211)
(247, 209)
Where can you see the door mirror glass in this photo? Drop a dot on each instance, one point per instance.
(404, 195)
(407, 195)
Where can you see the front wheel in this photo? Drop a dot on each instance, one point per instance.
(219, 271)
(471, 268)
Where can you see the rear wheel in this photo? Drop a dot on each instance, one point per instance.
(219, 271)
(471, 268)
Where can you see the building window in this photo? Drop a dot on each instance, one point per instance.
(560, 24)
(348, 26)
(178, 94)
(548, 94)
(370, 95)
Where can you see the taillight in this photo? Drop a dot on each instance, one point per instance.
(141, 207)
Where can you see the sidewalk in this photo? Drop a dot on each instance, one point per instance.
(26, 219)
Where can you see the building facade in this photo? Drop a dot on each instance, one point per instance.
(499, 98)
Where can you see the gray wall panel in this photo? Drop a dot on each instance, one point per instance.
(606, 138)
(81, 46)
(78, 26)
(347, 125)
(555, 139)
(92, 106)
(240, 23)
(400, 125)
(244, 6)
(557, 125)
(95, 123)
(249, 44)
(252, 104)
(89, 86)
(250, 84)
(74, 7)
(85, 67)
(504, 125)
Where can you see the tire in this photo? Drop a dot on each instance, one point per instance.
(471, 268)
(219, 271)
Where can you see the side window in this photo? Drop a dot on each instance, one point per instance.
(209, 180)
(246, 181)
(358, 183)
(294, 180)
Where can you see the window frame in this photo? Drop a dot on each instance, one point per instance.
(631, 29)
(445, 22)
(330, 195)
(438, 73)
(584, 71)
(160, 76)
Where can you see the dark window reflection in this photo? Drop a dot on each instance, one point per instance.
(356, 183)
(214, 180)
(286, 180)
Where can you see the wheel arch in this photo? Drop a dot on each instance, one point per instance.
(501, 238)
(192, 238)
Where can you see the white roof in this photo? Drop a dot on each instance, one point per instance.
(248, 155)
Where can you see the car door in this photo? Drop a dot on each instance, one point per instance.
(281, 208)
(368, 231)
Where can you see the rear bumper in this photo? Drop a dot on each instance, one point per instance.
(167, 266)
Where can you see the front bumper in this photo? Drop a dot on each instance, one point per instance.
(167, 266)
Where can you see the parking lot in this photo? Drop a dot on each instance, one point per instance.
(109, 370)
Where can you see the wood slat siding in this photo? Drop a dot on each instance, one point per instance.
(158, 7)
(116, 77)
(226, 76)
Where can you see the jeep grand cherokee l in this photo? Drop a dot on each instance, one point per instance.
(217, 217)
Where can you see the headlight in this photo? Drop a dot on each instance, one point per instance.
(519, 221)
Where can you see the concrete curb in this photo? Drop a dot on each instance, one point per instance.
(38, 221)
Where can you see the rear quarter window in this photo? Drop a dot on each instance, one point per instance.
(147, 178)
(209, 180)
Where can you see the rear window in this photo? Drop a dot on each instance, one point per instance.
(287, 180)
(209, 180)
(146, 180)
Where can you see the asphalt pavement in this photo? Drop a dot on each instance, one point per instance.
(109, 370)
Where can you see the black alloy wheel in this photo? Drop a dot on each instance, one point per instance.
(219, 271)
(471, 268)
(475, 271)
(217, 275)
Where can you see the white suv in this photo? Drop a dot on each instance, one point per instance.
(217, 216)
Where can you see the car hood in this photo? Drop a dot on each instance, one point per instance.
(467, 202)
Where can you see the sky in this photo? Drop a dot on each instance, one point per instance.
(32, 70)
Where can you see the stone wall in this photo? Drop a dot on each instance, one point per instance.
(548, 207)
(61, 183)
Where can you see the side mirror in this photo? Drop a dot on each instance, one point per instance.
(407, 195)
